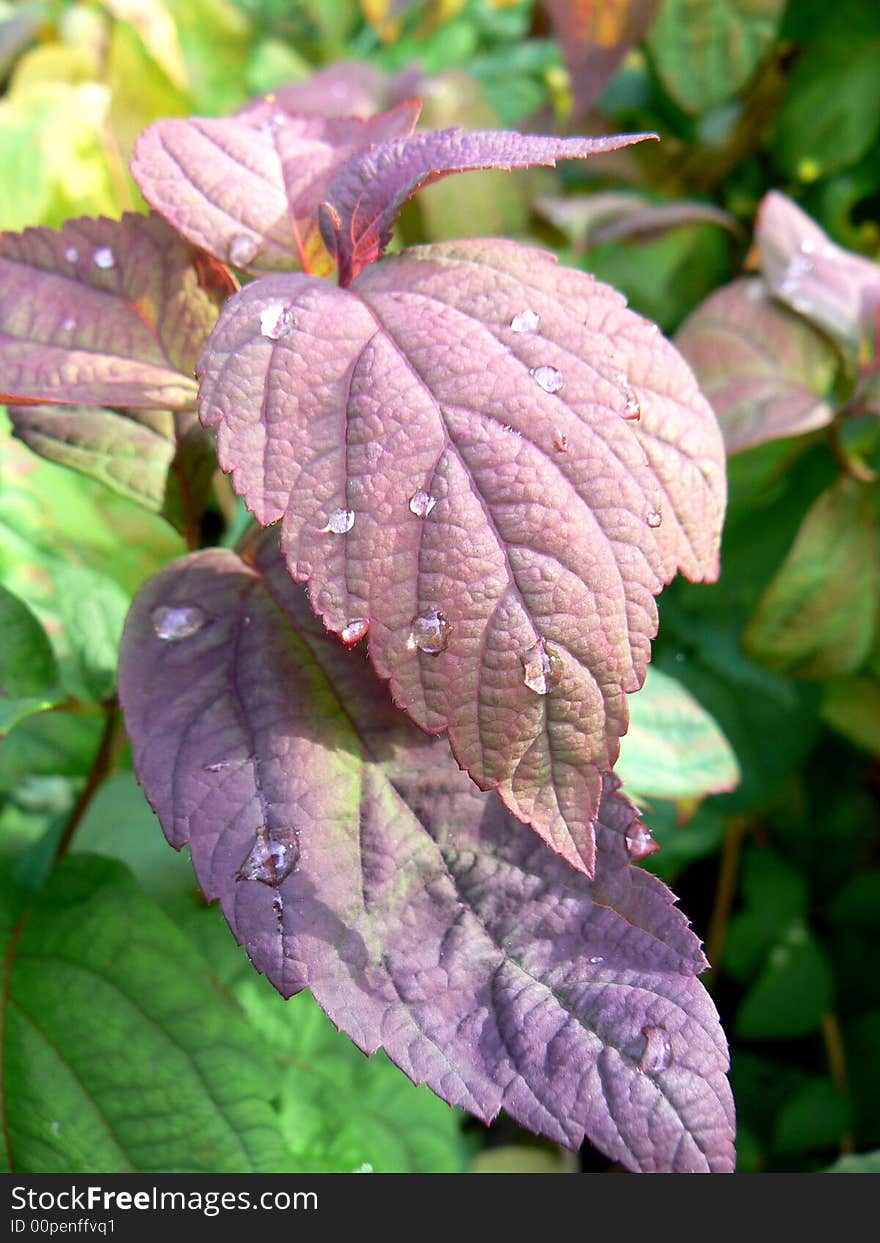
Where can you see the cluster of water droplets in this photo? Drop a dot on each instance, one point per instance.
(174, 622)
(421, 503)
(429, 633)
(273, 856)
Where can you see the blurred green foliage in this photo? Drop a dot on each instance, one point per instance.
(757, 743)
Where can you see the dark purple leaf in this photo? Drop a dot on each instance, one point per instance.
(595, 35)
(247, 188)
(350, 856)
(476, 452)
(365, 199)
(767, 372)
(163, 461)
(831, 287)
(103, 312)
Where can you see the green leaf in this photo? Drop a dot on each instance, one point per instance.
(14, 710)
(525, 1159)
(673, 748)
(818, 615)
(775, 898)
(705, 50)
(858, 1163)
(852, 707)
(338, 1111)
(92, 610)
(118, 1053)
(815, 1116)
(27, 663)
(791, 994)
(831, 111)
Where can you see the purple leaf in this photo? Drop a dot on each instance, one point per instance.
(365, 199)
(350, 856)
(103, 312)
(348, 89)
(831, 287)
(247, 188)
(594, 39)
(767, 372)
(493, 465)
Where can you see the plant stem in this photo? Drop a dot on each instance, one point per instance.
(728, 874)
(109, 748)
(836, 1055)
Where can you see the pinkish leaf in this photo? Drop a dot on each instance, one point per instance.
(103, 312)
(831, 287)
(767, 373)
(348, 89)
(247, 188)
(492, 462)
(595, 37)
(350, 856)
(365, 199)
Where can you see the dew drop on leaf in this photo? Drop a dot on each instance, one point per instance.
(69, 324)
(640, 842)
(596, 959)
(242, 249)
(340, 522)
(354, 631)
(547, 378)
(526, 321)
(272, 858)
(429, 633)
(71, 254)
(421, 503)
(657, 1056)
(631, 408)
(560, 442)
(104, 258)
(653, 518)
(542, 668)
(173, 622)
(276, 321)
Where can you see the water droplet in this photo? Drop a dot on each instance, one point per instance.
(800, 265)
(657, 1056)
(55, 1127)
(221, 765)
(242, 249)
(340, 521)
(808, 245)
(547, 378)
(526, 321)
(560, 442)
(429, 633)
(363, 1168)
(276, 321)
(69, 324)
(640, 842)
(354, 631)
(542, 668)
(653, 518)
(104, 258)
(597, 958)
(173, 622)
(421, 503)
(274, 855)
(71, 254)
(631, 408)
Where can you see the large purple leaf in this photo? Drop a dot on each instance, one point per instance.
(767, 372)
(103, 312)
(367, 194)
(247, 188)
(350, 856)
(490, 463)
(833, 288)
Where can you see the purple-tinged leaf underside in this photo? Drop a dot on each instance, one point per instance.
(352, 857)
(103, 312)
(476, 452)
(367, 194)
(247, 188)
(594, 39)
(161, 460)
(835, 289)
(767, 372)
